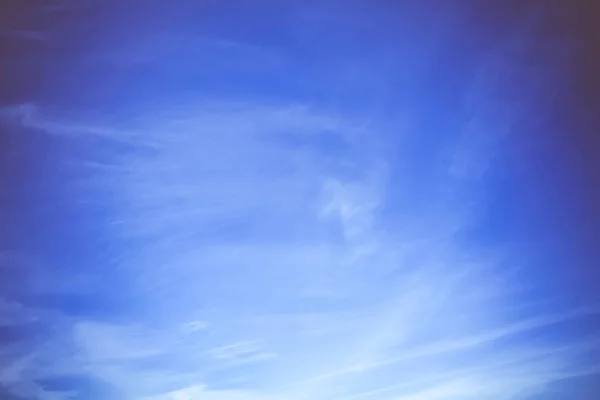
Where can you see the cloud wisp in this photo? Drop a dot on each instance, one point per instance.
(278, 247)
(269, 273)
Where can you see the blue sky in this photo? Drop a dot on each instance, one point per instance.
(288, 201)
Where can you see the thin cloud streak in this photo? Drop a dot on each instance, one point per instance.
(384, 326)
(274, 249)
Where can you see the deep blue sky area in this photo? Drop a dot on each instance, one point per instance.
(289, 200)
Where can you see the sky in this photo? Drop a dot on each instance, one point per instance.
(294, 200)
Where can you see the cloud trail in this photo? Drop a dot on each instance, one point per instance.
(278, 246)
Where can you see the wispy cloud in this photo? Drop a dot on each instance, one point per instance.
(278, 250)
(290, 278)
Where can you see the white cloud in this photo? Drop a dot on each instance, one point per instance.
(258, 259)
(275, 256)
(200, 392)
